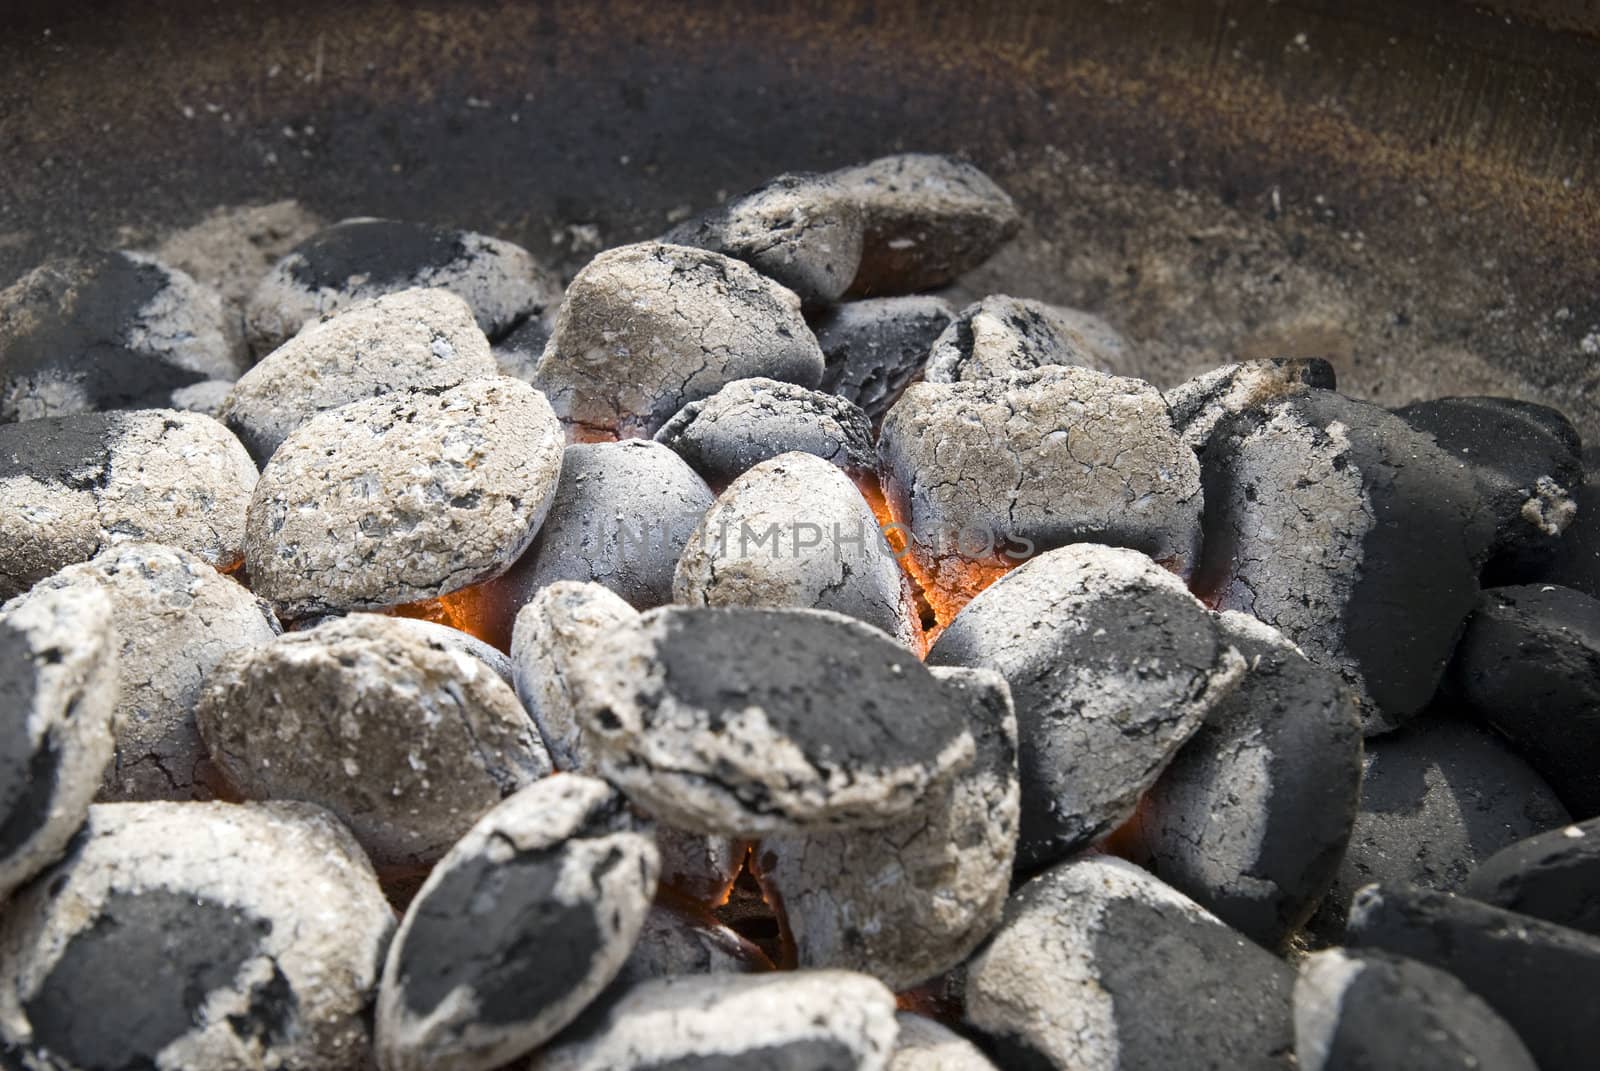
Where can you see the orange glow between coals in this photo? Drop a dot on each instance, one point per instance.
(470, 610)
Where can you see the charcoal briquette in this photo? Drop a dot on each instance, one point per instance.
(1552, 876)
(925, 1045)
(873, 348)
(1000, 336)
(1199, 404)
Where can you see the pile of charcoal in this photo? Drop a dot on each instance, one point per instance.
(743, 658)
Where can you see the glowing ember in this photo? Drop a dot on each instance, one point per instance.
(473, 610)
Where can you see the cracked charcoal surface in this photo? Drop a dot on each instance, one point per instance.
(197, 935)
(407, 740)
(795, 532)
(108, 331)
(1529, 666)
(1000, 336)
(402, 498)
(754, 420)
(1100, 966)
(621, 515)
(176, 620)
(1112, 665)
(645, 329)
(700, 867)
(1199, 404)
(1437, 798)
(1350, 532)
(924, 1045)
(359, 259)
(1055, 456)
(873, 348)
(673, 943)
(1528, 463)
(410, 340)
(926, 219)
(742, 722)
(58, 694)
(803, 230)
(72, 486)
(1355, 1011)
(518, 928)
(1252, 816)
(1539, 977)
(788, 1021)
(911, 900)
(1552, 876)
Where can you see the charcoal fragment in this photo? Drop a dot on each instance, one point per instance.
(197, 935)
(1552, 876)
(873, 348)
(108, 331)
(675, 942)
(518, 928)
(645, 329)
(1199, 404)
(1112, 665)
(1001, 336)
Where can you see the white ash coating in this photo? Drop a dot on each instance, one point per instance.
(754, 420)
(1199, 404)
(108, 331)
(1099, 966)
(519, 927)
(73, 486)
(927, 219)
(793, 1019)
(743, 722)
(673, 943)
(1058, 455)
(911, 900)
(407, 740)
(925, 1045)
(360, 259)
(409, 340)
(58, 693)
(205, 397)
(1000, 336)
(796, 532)
(1112, 666)
(1253, 814)
(456, 640)
(873, 348)
(266, 916)
(234, 247)
(803, 230)
(645, 329)
(402, 498)
(177, 620)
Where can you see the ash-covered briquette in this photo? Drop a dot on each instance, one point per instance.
(1437, 798)
(1199, 404)
(72, 486)
(108, 331)
(453, 639)
(234, 246)
(754, 420)
(517, 354)
(411, 340)
(402, 497)
(1252, 816)
(518, 928)
(645, 329)
(58, 693)
(359, 259)
(803, 230)
(911, 900)
(743, 722)
(1529, 666)
(197, 935)
(1000, 336)
(1099, 966)
(407, 740)
(1541, 978)
(796, 532)
(1552, 876)
(1112, 666)
(1528, 463)
(676, 942)
(1368, 1011)
(801, 1020)
(1350, 532)
(873, 348)
(925, 1045)
(205, 397)
(176, 620)
(621, 515)
(925, 220)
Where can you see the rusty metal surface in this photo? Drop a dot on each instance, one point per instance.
(1428, 174)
